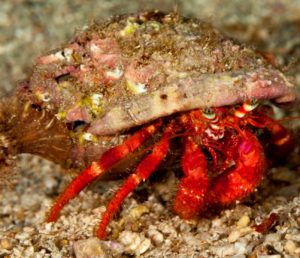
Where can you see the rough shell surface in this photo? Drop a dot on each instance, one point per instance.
(134, 69)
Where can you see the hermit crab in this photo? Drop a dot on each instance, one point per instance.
(146, 83)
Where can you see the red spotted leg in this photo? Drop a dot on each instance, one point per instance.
(142, 172)
(241, 180)
(194, 184)
(96, 169)
(281, 142)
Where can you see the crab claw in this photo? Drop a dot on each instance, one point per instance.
(241, 180)
(194, 185)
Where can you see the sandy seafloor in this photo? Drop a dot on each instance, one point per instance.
(145, 227)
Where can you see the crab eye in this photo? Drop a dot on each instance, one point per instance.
(208, 113)
(252, 104)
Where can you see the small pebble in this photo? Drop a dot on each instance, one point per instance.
(22, 236)
(6, 244)
(224, 251)
(167, 229)
(184, 227)
(233, 236)
(297, 251)
(290, 246)
(115, 249)
(134, 242)
(30, 201)
(50, 184)
(138, 211)
(294, 237)
(48, 226)
(143, 247)
(243, 221)
(90, 247)
(156, 237)
(216, 223)
(240, 248)
(273, 237)
(238, 233)
(129, 238)
(29, 251)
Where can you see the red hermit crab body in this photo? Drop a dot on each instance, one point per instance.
(151, 76)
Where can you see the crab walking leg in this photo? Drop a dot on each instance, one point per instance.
(281, 141)
(193, 186)
(238, 182)
(96, 169)
(280, 137)
(142, 172)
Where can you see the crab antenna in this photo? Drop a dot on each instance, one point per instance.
(240, 113)
(96, 169)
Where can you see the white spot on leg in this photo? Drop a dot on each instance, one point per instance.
(96, 170)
